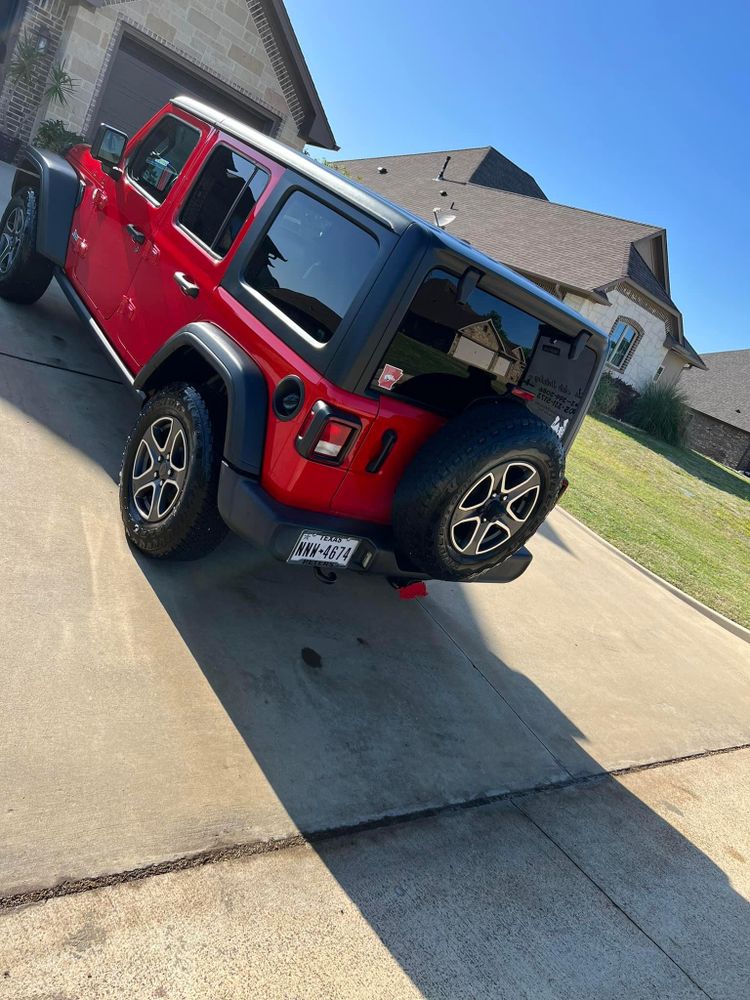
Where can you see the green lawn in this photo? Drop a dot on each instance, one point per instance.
(677, 513)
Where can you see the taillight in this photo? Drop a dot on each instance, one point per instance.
(333, 439)
(327, 435)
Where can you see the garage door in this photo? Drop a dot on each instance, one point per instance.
(142, 81)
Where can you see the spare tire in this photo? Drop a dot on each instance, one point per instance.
(476, 491)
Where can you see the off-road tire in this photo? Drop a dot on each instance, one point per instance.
(193, 525)
(449, 466)
(29, 274)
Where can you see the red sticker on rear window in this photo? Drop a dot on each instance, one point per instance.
(389, 376)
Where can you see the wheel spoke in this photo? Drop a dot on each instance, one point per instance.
(143, 498)
(144, 464)
(464, 534)
(517, 477)
(520, 506)
(6, 255)
(478, 494)
(167, 498)
(16, 221)
(491, 537)
(177, 448)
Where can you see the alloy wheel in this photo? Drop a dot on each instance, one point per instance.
(495, 508)
(10, 239)
(160, 468)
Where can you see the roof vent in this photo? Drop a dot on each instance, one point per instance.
(442, 169)
(382, 170)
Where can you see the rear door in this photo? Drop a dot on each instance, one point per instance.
(188, 254)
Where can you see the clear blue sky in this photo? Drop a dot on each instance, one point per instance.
(640, 110)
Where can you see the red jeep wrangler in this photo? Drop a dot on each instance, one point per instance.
(336, 380)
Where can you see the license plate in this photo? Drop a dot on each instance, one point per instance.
(331, 550)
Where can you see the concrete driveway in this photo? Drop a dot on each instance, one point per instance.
(155, 715)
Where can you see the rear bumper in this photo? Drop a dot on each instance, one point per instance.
(272, 526)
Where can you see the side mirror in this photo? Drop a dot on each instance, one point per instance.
(108, 147)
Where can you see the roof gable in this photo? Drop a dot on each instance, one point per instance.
(286, 56)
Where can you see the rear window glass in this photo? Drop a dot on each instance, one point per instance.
(311, 265)
(161, 156)
(222, 198)
(446, 355)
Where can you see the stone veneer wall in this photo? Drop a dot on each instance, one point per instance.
(720, 441)
(222, 37)
(649, 352)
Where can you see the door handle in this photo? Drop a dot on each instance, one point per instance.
(136, 235)
(186, 285)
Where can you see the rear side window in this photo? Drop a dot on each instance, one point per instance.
(445, 355)
(311, 264)
(222, 198)
(161, 156)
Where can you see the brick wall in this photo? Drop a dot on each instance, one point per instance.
(722, 442)
(20, 104)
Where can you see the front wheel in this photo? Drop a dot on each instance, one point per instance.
(24, 274)
(170, 475)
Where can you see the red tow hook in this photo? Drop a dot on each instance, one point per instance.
(412, 590)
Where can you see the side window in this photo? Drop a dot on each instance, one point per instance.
(161, 156)
(222, 198)
(311, 264)
(445, 354)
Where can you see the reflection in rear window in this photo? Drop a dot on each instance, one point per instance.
(311, 265)
(446, 355)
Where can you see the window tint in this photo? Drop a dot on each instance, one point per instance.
(311, 265)
(162, 155)
(446, 355)
(222, 198)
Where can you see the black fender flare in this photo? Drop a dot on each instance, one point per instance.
(59, 193)
(246, 387)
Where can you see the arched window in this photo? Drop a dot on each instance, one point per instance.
(624, 336)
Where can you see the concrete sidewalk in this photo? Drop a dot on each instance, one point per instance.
(636, 888)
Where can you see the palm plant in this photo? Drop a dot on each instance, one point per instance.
(23, 69)
(60, 84)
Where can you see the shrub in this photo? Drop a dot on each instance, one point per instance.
(53, 135)
(661, 411)
(607, 395)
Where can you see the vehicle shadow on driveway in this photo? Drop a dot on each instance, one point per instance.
(374, 718)
(357, 706)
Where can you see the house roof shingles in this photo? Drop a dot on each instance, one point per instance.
(578, 248)
(723, 390)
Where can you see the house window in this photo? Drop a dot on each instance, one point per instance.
(621, 340)
(657, 373)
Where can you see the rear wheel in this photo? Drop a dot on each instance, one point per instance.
(24, 274)
(170, 475)
(477, 491)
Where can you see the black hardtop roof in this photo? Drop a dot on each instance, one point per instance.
(393, 216)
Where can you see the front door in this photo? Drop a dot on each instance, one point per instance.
(187, 257)
(125, 213)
